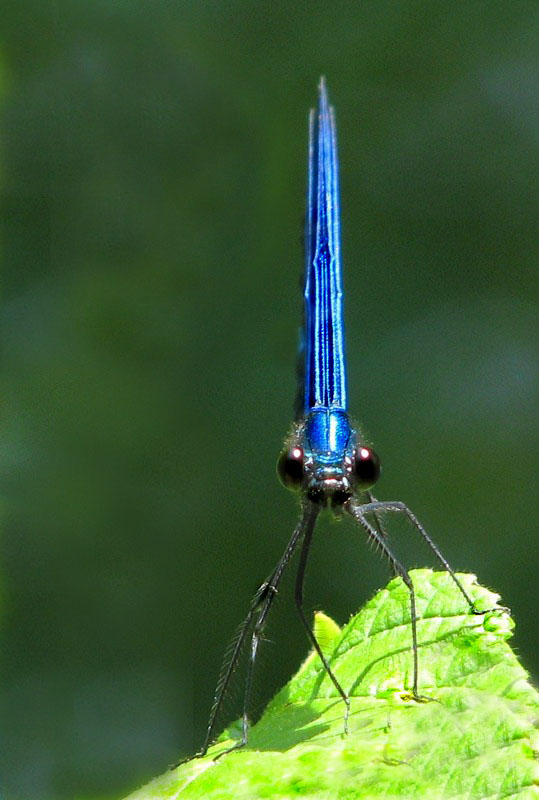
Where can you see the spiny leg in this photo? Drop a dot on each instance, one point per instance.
(379, 525)
(230, 663)
(299, 605)
(400, 507)
(259, 610)
(357, 511)
(304, 529)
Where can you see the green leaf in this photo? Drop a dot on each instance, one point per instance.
(474, 740)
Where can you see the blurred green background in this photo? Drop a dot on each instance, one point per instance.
(153, 179)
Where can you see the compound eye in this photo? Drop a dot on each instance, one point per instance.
(290, 467)
(366, 467)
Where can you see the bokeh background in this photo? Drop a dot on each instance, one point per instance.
(153, 178)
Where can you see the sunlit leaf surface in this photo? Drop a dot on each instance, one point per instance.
(473, 740)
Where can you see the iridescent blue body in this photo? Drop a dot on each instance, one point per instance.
(326, 436)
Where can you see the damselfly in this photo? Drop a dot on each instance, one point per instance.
(325, 457)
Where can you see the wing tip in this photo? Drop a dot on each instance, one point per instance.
(323, 98)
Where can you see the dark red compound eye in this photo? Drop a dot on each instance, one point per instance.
(366, 467)
(290, 467)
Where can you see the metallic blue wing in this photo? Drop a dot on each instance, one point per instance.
(325, 361)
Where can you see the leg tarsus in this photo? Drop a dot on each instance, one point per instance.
(236, 746)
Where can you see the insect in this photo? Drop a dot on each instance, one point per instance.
(324, 459)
